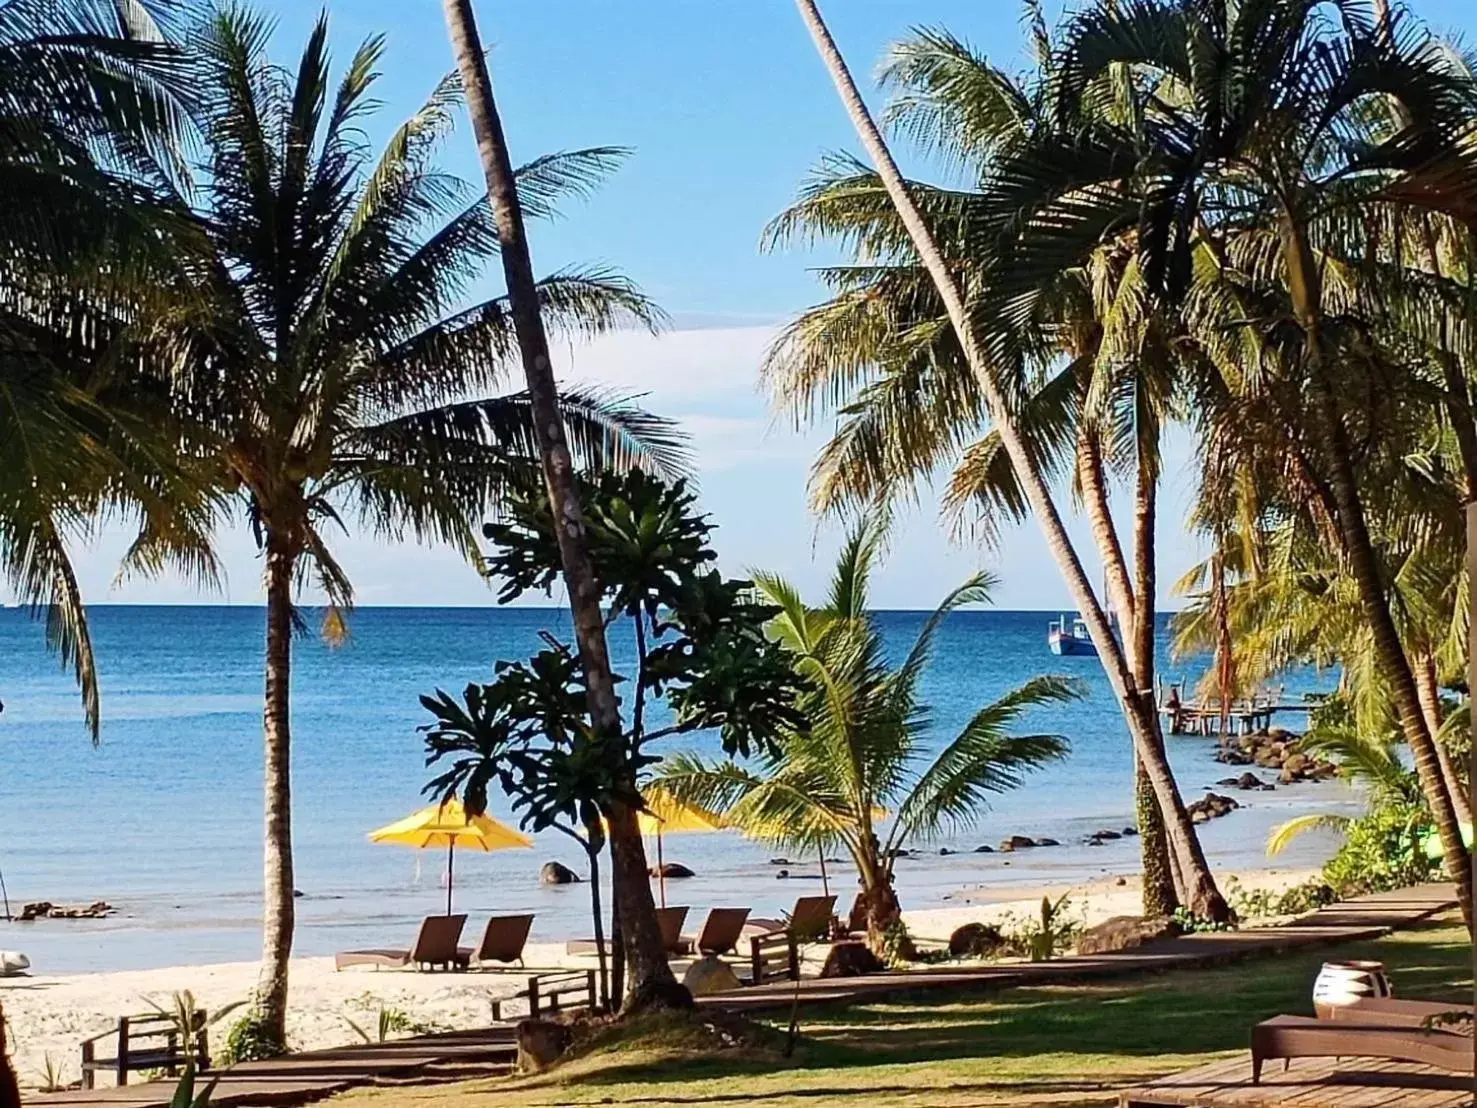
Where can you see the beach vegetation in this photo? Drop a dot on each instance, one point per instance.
(1048, 934)
(701, 662)
(251, 1038)
(390, 1022)
(865, 773)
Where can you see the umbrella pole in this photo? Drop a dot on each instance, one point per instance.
(825, 881)
(661, 870)
(450, 855)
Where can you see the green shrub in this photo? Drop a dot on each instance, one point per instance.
(1264, 903)
(1189, 923)
(250, 1040)
(1382, 851)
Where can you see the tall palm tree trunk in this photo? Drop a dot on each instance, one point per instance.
(1303, 284)
(1159, 895)
(1202, 896)
(1160, 898)
(652, 980)
(1429, 690)
(278, 908)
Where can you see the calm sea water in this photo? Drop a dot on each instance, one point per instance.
(163, 819)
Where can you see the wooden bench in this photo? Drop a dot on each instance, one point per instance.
(148, 1042)
(774, 956)
(554, 992)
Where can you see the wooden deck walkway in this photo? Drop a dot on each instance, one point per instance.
(301, 1078)
(1366, 917)
(1307, 1083)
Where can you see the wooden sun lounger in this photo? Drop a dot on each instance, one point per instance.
(435, 945)
(811, 919)
(1288, 1037)
(1399, 1012)
(503, 940)
(720, 934)
(670, 920)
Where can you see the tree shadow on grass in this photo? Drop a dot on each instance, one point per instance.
(1183, 1013)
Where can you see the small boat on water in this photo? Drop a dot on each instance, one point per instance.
(1070, 636)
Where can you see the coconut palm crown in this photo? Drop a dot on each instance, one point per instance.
(863, 774)
(323, 364)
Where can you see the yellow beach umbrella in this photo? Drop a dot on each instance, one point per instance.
(448, 825)
(665, 814)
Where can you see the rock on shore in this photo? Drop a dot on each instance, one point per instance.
(1279, 750)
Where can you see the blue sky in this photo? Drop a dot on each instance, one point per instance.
(726, 108)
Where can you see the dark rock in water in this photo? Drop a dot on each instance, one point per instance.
(851, 959)
(540, 1044)
(1093, 842)
(1125, 933)
(557, 873)
(1211, 806)
(1232, 782)
(1232, 757)
(671, 871)
(45, 909)
(899, 852)
(782, 874)
(977, 940)
(1047, 842)
(1105, 835)
(984, 849)
(1017, 842)
(779, 861)
(297, 894)
(944, 852)
(1130, 832)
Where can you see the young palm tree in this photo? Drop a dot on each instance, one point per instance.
(83, 85)
(320, 362)
(863, 774)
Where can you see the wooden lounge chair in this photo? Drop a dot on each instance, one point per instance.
(503, 940)
(856, 919)
(720, 934)
(435, 945)
(1400, 1013)
(670, 920)
(810, 920)
(1288, 1037)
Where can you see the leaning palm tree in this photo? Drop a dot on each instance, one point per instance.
(981, 340)
(83, 86)
(322, 367)
(863, 774)
(652, 979)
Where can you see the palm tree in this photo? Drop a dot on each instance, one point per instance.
(1305, 133)
(83, 85)
(890, 344)
(652, 978)
(866, 751)
(319, 363)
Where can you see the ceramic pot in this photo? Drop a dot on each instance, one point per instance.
(1341, 983)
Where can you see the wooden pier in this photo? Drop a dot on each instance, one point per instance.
(1243, 716)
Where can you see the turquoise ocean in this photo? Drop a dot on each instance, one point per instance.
(163, 818)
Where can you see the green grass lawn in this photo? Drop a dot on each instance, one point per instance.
(1059, 1045)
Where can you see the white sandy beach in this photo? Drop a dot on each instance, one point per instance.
(48, 1016)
